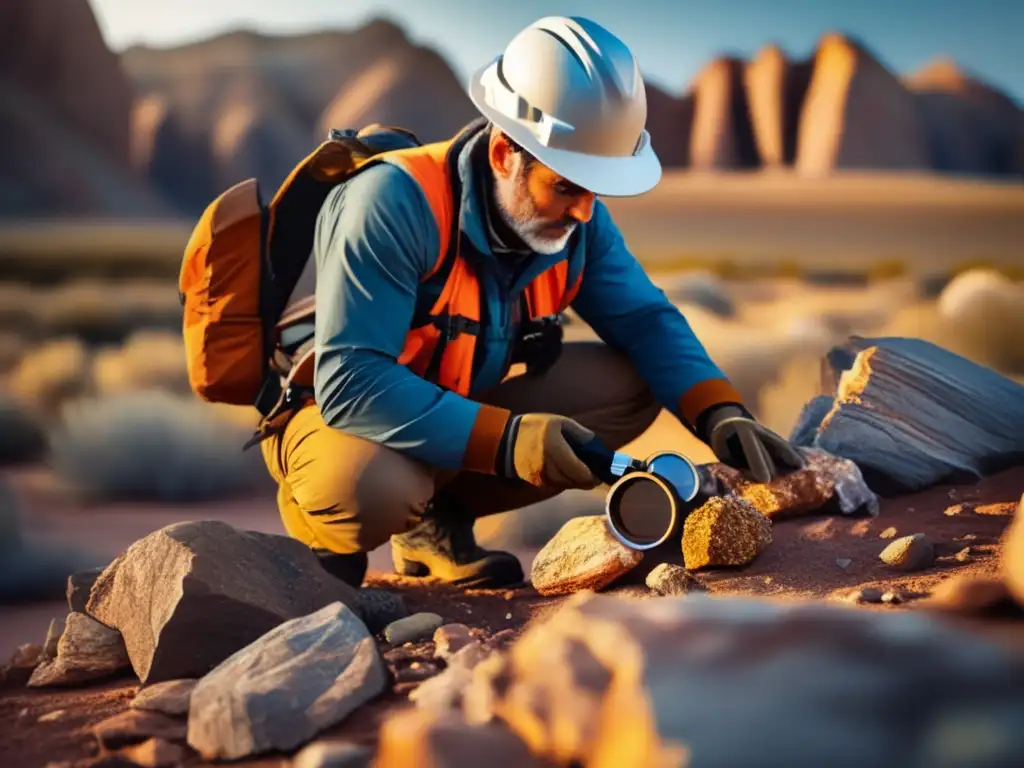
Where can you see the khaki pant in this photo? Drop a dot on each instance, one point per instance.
(345, 494)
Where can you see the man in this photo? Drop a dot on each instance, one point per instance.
(388, 454)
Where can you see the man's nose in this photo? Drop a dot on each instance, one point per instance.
(582, 207)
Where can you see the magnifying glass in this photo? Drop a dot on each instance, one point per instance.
(648, 500)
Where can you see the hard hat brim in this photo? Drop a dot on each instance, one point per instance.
(603, 175)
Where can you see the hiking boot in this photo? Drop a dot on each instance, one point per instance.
(443, 546)
(349, 568)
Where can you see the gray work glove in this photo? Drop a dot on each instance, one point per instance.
(742, 443)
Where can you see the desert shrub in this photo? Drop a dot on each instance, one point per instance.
(50, 374)
(30, 571)
(22, 434)
(149, 359)
(154, 446)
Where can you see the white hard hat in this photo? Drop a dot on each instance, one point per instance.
(571, 93)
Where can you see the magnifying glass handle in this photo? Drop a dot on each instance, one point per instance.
(599, 458)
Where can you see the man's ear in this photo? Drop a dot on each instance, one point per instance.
(500, 154)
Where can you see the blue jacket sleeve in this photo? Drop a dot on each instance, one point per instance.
(628, 312)
(374, 240)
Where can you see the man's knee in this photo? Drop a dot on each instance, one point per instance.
(352, 494)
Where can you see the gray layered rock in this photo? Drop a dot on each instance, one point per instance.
(170, 697)
(86, 651)
(303, 676)
(804, 683)
(189, 595)
(911, 414)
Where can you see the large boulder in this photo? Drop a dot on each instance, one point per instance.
(858, 115)
(673, 681)
(189, 595)
(911, 414)
(276, 694)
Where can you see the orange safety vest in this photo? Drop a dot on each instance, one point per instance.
(450, 339)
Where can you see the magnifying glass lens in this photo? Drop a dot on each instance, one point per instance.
(644, 511)
(676, 471)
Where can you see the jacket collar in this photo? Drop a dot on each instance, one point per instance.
(474, 223)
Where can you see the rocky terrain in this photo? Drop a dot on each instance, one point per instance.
(811, 613)
(157, 131)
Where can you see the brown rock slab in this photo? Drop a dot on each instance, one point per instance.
(135, 726)
(909, 553)
(443, 740)
(156, 753)
(582, 555)
(170, 697)
(724, 531)
(210, 590)
(670, 579)
(826, 484)
(599, 682)
(300, 678)
(86, 651)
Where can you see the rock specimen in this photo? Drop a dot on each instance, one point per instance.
(582, 555)
(450, 639)
(725, 530)
(909, 553)
(826, 484)
(911, 414)
(209, 590)
(801, 681)
(419, 626)
(86, 651)
(170, 697)
(303, 676)
(669, 579)
(17, 671)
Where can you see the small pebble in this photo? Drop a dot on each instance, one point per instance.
(843, 562)
(964, 555)
(909, 553)
(57, 714)
(769, 580)
(508, 615)
(888, 533)
(668, 579)
(869, 595)
(333, 754)
(412, 628)
(892, 597)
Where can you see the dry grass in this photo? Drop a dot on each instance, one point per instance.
(153, 446)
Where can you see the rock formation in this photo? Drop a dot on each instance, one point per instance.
(775, 89)
(722, 137)
(857, 115)
(972, 127)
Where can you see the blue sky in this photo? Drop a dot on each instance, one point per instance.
(672, 38)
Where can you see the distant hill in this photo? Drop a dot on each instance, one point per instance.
(167, 129)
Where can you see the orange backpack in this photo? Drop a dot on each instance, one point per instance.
(244, 259)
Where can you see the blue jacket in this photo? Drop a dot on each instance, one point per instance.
(376, 237)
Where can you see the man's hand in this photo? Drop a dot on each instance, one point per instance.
(534, 449)
(742, 443)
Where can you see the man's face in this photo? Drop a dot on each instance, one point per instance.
(537, 204)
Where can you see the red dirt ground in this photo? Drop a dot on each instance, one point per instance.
(800, 564)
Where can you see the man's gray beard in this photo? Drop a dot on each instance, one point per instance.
(518, 212)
